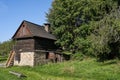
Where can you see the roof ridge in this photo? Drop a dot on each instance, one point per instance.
(31, 23)
(36, 30)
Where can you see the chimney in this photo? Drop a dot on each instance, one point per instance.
(47, 27)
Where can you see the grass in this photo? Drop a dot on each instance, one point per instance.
(3, 58)
(72, 70)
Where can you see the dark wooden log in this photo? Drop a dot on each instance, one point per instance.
(17, 74)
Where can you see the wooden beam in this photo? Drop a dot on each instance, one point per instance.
(17, 74)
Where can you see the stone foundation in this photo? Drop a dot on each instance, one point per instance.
(26, 59)
(37, 58)
(40, 58)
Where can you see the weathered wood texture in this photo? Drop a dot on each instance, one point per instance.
(44, 44)
(45, 57)
(10, 60)
(55, 57)
(23, 45)
(23, 31)
(17, 74)
(30, 40)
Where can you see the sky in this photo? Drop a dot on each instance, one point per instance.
(13, 12)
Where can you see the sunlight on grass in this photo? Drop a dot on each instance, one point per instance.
(71, 70)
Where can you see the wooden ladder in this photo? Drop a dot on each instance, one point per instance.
(10, 60)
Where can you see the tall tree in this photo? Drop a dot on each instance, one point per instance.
(71, 21)
(106, 36)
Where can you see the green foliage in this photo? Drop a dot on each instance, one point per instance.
(87, 69)
(3, 58)
(88, 27)
(67, 52)
(106, 36)
(70, 20)
(6, 47)
(78, 56)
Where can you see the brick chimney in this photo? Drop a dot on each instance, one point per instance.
(47, 27)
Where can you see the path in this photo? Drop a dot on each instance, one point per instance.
(2, 64)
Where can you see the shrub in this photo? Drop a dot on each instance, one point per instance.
(78, 56)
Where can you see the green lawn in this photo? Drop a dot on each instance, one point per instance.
(72, 70)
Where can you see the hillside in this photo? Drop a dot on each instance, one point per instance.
(72, 70)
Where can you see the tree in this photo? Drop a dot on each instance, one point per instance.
(6, 47)
(72, 21)
(106, 36)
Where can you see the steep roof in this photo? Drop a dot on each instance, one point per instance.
(35, 30)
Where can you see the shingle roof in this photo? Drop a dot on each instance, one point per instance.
(38, 31)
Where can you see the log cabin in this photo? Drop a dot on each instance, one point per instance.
(35, 45)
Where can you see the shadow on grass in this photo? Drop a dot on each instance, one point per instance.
(109, 62)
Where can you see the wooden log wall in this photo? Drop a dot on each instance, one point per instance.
(24, 45)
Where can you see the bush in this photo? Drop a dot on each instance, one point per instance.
(78, 56)
(2, 58)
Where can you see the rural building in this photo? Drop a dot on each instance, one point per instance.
(35, 45)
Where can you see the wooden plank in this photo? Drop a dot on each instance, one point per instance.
(17, 74)
(10, 59)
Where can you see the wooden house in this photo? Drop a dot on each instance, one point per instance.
(34, 45)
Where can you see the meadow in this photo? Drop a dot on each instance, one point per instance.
(88, 69)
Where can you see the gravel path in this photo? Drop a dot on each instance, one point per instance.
(2, 64)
